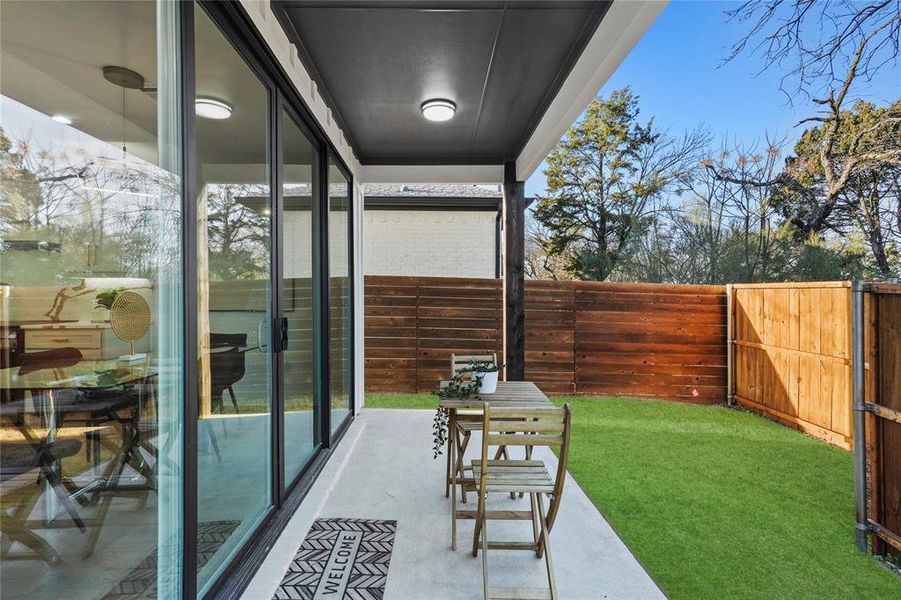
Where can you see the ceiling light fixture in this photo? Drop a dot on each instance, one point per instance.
(210, 108)
(104, 190)
(62, 119)
(438, 110)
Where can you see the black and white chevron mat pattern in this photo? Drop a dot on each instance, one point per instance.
(341, 559)
(141, 583)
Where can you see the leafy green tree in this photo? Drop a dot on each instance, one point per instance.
(855, 186)
(604, 180)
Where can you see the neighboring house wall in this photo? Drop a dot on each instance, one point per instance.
(429, 243)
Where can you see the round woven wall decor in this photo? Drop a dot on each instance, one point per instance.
(130, 316)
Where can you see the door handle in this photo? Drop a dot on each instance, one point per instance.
(284, 328)
(260, 345)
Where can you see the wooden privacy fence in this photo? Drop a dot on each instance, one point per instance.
(879, 459)
(414, 324)
(664, 341)
(795, 357)
(654, 340)
(792, 355)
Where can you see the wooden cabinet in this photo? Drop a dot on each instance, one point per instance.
(93, 340)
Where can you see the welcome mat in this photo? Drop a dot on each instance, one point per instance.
(141, 582)
(340, 559)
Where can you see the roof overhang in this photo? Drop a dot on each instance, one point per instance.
(376, 61)
(623, 25)
(409, 173)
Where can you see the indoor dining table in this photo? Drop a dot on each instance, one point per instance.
(85, 392)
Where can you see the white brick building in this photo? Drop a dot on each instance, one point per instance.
(432, 230)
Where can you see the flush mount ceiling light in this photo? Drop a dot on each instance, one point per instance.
(438, 110)
(62, 119)
(209, 108)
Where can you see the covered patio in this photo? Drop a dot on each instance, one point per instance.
(221, 156)
(384, 469)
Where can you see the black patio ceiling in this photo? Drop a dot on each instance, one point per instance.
(500, 62)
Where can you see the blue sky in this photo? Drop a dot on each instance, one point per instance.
(677, 70)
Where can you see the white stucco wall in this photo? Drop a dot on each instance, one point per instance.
(429, 243)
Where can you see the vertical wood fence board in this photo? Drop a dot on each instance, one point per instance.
(793, 355)
(889, 395)
(873, 424)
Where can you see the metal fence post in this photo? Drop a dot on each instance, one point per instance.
(860, 442)
(730, 345)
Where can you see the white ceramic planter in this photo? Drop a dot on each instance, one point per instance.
(489, 383)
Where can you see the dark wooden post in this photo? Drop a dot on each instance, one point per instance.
(514, 259)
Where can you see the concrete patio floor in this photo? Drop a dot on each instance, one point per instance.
(384, 470)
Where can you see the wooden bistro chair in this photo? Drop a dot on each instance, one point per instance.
(467, 421)
(528, 427)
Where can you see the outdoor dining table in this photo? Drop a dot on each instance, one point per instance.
(517, 394)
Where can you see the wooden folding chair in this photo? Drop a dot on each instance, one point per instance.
(528, 427)
(466, 422)
(462, 361)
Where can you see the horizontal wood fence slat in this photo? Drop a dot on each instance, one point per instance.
(414, 324)
(661, 341)
(650, 340)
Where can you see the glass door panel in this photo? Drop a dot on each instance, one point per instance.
(234, 300)
(340, 360)
(90, 222)
(300, 190)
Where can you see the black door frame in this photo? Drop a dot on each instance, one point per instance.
(333, 157)
(238, 29)
(321, 417)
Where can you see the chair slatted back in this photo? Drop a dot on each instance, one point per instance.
(530, 427)
(461, 361)
(526, 426)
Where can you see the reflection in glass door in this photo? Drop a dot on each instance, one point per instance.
(234, 300)
(339, 256)
(91, 469)
(300, 189)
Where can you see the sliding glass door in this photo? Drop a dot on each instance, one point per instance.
(91, 318)
(234, 299)
(340, 292)
(175, 299)
(300, 193)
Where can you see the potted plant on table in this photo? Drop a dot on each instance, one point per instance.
(104, 301)
(470, 381)
(461, 385)
(485, 374)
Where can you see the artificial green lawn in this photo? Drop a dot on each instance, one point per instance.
(715, 502)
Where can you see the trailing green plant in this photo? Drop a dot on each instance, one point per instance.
(461, 385)
(481, 367)
(107, 296)
(439, 432)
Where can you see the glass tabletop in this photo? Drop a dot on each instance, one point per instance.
(97, 374)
